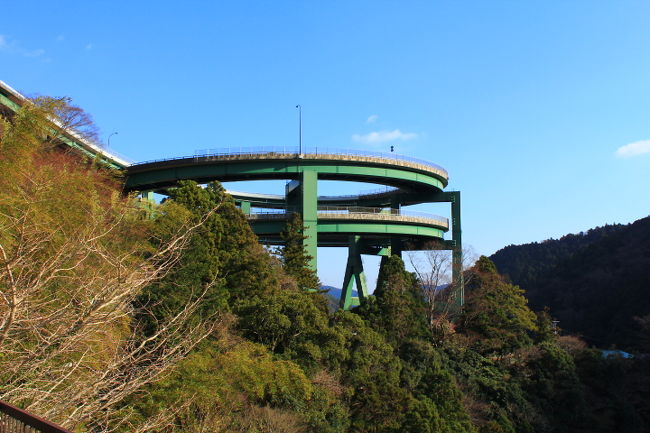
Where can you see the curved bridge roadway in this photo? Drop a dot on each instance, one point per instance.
(373, 223)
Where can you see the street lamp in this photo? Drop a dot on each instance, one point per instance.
(108, 144)
(299, 107)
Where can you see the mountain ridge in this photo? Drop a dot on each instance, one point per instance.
(594, 282)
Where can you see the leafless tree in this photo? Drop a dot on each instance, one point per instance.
(74, 255)
(67, 118)
(69, 348)
(433, 268)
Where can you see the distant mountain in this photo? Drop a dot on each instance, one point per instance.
(524, 264)
(595, 283)
(334, 293)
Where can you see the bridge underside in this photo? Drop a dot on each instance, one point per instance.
(372, 244)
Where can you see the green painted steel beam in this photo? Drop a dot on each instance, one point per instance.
(367, 228)
(354, 274)
(327, 232)
(4, 100)
(457, 252)
(152, 177)
(390, 198)
(245, 207)
(309, 198)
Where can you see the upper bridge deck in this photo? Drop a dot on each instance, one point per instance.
(401, 172)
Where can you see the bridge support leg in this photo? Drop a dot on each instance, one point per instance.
(457, 252)
(455, 245)
(148, 195)
(354, 274)
(396, 246)
(148, 203)
(245, 207)
(309, 199)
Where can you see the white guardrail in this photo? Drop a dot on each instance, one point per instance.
(307, 153)
(358, 213)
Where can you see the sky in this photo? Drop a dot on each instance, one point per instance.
(539, 110)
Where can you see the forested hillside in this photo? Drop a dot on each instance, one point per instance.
(117, 316)
(595, 283)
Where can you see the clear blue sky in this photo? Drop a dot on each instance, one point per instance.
(524, 103)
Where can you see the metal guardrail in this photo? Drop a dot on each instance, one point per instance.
(361, 194)
(16, 420)
(376, 192)
(112, 152)
(293, 151)
(357, 212)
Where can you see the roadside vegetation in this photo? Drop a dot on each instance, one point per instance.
(117, 319)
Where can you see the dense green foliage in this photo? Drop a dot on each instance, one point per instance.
(524, 264)
(274, 357)
(294, 256)
(595, 283)
(496, 314)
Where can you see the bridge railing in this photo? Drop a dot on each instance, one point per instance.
(361, 194)
(309, 150)
(294, 151)
(16, 420)
(366, 193)
(355, 212)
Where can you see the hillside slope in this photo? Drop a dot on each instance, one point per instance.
(595, 283)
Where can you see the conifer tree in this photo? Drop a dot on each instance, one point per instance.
(496, 312)
(294, 256)
(397, 307)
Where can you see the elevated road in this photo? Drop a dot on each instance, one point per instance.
(367, 223)
(373, 222)
(410, 175)
(11, 100)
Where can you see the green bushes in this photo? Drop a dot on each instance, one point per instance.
(183, 323)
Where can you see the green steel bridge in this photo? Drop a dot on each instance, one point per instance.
(376, 223)
(372, 223)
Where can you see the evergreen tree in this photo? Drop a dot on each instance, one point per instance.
(397, 308)
(295, 259)
(224, 262)
(496, 312)
(397, 311)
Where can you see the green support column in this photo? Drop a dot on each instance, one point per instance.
(148, 196)
(293, 196)
(148, 202)
(354, 274)
(396, 246)
(309, 192)
(245, 207)
(456, 244)
(347, 301)
(395, 202)
(457, 252)
(382, 264)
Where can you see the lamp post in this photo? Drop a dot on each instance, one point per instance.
(299, 107)
(108, 144)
